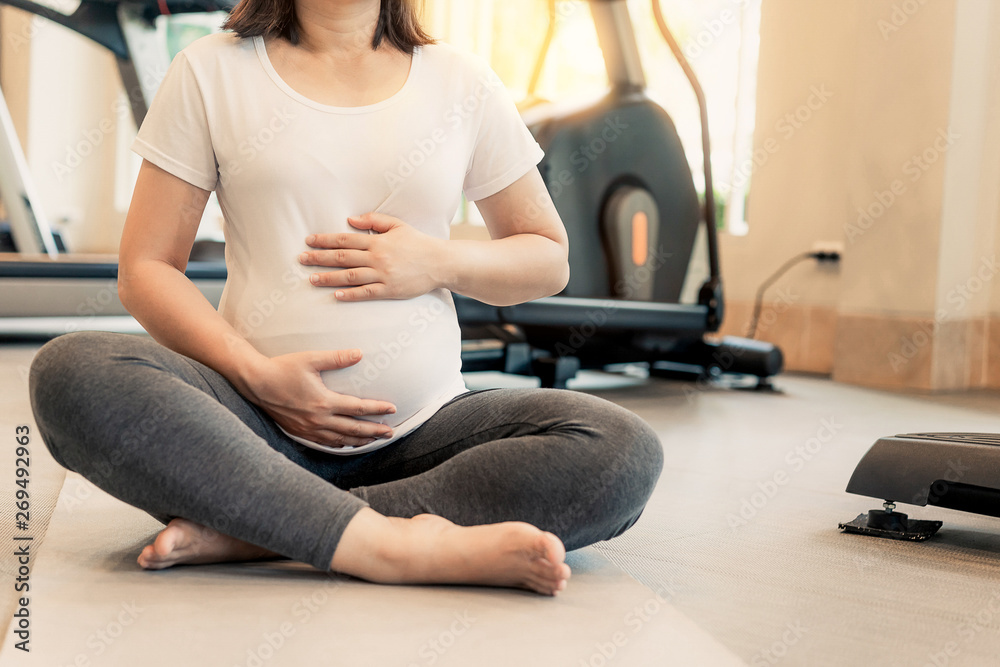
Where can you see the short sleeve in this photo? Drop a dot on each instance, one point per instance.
(504, 148)
(175, 133)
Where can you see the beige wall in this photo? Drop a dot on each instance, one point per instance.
(802, 47)
(887, 99)
(901, 165)
(73, 134)
(61, 89)
(15, 42)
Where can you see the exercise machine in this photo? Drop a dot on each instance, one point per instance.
(45, 291)
(620, 180)
(960, 471)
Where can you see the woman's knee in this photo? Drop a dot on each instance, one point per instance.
(628, 448)
(61, 365)
(67, 380)
(623, 459)
(48, 371)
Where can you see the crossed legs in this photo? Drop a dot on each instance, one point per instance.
(492, 489)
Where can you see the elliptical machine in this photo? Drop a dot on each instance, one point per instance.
(621, 183)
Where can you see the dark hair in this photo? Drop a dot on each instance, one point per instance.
(397, 22)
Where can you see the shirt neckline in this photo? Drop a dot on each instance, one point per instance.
(265, 61)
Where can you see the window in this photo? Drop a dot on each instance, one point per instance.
(719, 37)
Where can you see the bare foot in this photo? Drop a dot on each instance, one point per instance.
(184, 542)
(432, 550)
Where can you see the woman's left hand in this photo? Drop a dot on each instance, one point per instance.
(399, 262)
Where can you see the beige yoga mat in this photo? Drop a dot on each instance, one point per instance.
(91, 605)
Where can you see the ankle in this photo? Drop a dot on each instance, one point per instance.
(369, 547)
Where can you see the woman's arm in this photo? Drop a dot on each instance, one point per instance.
(526, 258)
(159, 231)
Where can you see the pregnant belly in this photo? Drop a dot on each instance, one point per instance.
(410, 350)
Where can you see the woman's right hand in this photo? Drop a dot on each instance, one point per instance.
(290, 389)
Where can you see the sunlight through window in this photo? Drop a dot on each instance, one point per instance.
(719, 37)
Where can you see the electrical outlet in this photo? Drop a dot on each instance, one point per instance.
(829, 247)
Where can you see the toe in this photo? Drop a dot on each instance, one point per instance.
(165, 543)
(553, 548)
(542, 586)
(149, 559)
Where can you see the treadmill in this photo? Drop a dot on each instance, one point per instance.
(632, 215)
(44, 291)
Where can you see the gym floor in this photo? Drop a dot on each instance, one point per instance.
(739, 539)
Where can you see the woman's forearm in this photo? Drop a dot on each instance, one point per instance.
(177, 315)
(505, 271)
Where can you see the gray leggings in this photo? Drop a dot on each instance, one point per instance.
(172, 437)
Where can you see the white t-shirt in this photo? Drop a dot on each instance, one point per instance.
(285, 166)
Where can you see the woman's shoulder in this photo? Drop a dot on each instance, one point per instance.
(455, 62)
(213, 48)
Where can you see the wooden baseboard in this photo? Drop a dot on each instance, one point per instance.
(805, 334)
(883, 351)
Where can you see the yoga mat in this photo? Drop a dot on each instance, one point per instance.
(91, 605)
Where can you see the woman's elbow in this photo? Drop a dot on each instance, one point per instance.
(560, 277)
(124, 293)
(556, 271)
(560, 271)
(129, 277)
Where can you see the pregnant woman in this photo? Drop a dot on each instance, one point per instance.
(320, 414)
